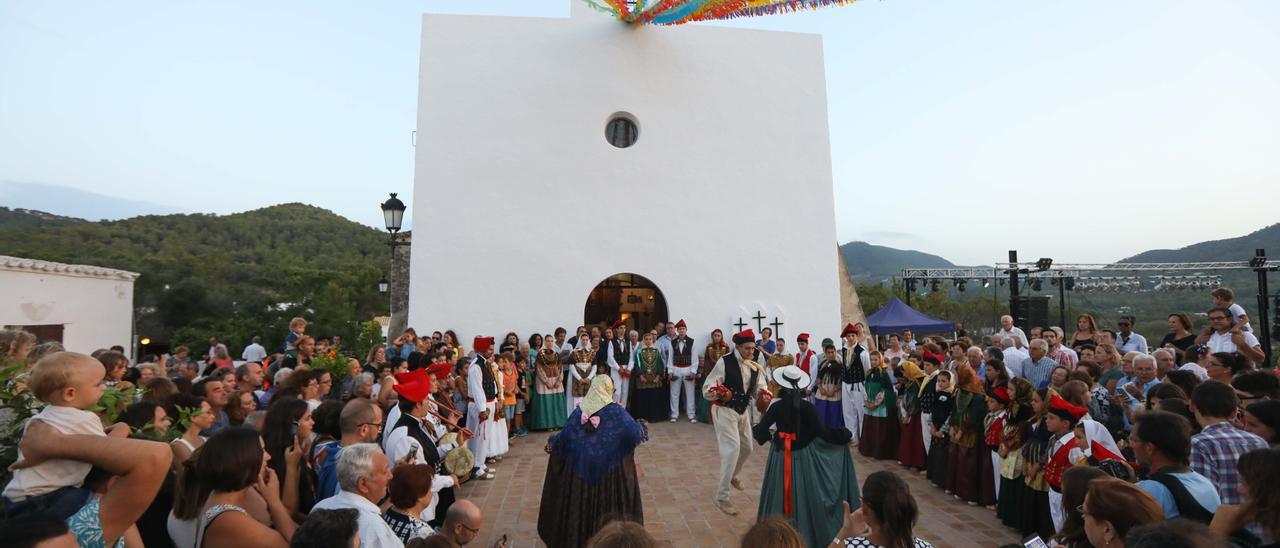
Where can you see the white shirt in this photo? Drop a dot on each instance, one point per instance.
(254, 353)
(1133, 343)
(1014, 331)
(55, 474)
(1015, 356)
(372, 530)
(1221, 342)
(1238, 312)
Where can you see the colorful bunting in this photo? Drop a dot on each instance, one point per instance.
(678, 12)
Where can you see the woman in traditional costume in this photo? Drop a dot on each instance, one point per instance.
(880, 422)
(548, 397)
(810, 474)
(940, 443)
(911, 439)
(591, 473)
(826, 395)
(1014, 499)
(969, 454)
(649, 400)
(1036, 517)
(715, 349)
(581, 373)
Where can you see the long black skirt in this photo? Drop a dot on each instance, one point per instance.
(1036, 517)
(572, 510)
(880, 436)
(651, 404)
(939, 450)
(1013, 501)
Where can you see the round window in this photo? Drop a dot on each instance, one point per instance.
(621, 131)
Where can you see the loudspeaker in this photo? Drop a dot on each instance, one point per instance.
(1031, 311)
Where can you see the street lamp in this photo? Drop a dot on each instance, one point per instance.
(393, 216)
(393, 213)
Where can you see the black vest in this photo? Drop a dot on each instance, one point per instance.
(682, 359)
(733, 381)
(852, 357)
(489, 383)
(429, 449)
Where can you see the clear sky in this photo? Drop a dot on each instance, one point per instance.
(1083, 131)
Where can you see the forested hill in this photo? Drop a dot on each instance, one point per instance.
(18, 217)
(874, 264)
(1231, 249)
(234, 275)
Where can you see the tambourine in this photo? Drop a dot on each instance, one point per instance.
(459, 461)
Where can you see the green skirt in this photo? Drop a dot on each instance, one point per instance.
(823, 478)
(548, 411)
(704, 407)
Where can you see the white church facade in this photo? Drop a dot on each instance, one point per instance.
(579, 170)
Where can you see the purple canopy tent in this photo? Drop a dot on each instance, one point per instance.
(896, 316)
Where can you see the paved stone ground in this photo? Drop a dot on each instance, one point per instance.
(679, 468)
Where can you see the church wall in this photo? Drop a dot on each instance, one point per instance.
(724, 202)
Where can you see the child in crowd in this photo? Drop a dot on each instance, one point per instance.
(297, 328)
(939, 446)
(1061, 418)
(70, 383)
(1224, 297)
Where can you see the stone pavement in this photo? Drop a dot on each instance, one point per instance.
(679, 472)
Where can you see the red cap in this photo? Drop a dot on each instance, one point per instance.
(849, 328)
(416, 375)
(744, 336)
(803, 337)
(1001, 394)
(617, 324)
(933, 357)
(440, 370)
(681, 324)
(482, 344)
(414, 391)
(1066, 409)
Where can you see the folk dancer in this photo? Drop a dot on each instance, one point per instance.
(415, 438)
(548, 397)
(856, 361)
(683, 372)
(806, 358)
(928, 395)
(827, 389)
(477, 407)
(734, 382)
(649, 403)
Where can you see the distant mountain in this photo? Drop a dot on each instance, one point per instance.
(30, 218)
(1230, 249)
(73, 202)
(874, 264)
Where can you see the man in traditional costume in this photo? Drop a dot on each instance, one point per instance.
(853, 397)
(806, 358)
(684, 373)
(649, 402)
(615, 353)
(810, 474)
(734, 382)
(477, 404)
(415, 438)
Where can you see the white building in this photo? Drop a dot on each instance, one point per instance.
(580, 170)
(84, 307)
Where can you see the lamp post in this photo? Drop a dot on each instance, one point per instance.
(393, 217)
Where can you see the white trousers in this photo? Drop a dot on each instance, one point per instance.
(995, 466)
(926, 419)
(733, 435)
(853, 396)
(477, 443)
(689, 391)
(621, 388)
(1055, 510)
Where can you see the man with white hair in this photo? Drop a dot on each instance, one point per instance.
(1144, 377)
(1012, 354)
(1166, 361)
(1039, 366)
(1007, 329)
(363, 474)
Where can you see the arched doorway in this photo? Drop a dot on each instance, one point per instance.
(628, 297)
